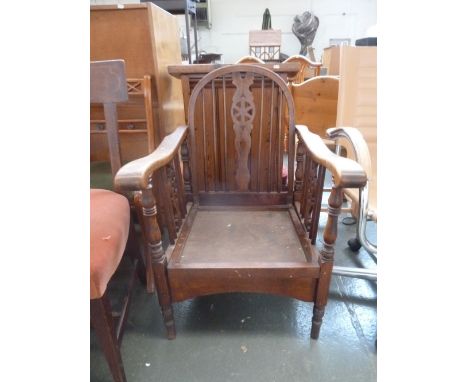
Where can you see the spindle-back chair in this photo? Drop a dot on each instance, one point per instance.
(240, 226)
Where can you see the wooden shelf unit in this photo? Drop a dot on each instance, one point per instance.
(147, 38)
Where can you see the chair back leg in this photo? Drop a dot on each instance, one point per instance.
(102, 322)
(133, 249)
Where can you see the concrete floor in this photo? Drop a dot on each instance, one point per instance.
(254, 337)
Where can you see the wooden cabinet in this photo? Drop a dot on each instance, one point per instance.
(331, 60)
(147, 38)
(190, 75)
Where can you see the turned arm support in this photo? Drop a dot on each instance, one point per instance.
(136, 174)
(358, 144)
(346, 172)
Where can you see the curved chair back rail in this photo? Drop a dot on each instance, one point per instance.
(308, 67)
(250, 60)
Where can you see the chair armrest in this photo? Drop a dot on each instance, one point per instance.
(346, 172)
(359, 145)
(135, 175)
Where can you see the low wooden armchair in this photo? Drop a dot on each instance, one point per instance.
(240, 228)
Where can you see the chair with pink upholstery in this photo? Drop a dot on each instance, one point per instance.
(110, 223)
(111, 229)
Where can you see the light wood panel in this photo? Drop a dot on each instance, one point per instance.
(316, 103)
(331, 60)
(166, 51)
(357, 105)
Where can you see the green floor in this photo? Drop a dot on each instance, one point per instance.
(101, 175)
(253, 337)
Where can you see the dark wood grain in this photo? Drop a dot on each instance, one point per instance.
(246, 230)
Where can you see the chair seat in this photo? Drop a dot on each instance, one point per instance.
(110, 221)
(239, 250)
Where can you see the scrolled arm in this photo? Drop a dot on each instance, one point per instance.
(358, 144)
(346, 172)
(135, 175)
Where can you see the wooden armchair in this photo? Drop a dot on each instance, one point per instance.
(243, 229)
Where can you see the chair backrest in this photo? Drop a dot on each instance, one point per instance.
(109, 87)
(308, 68)
(316, 103)
(249, 60)
(236, 134)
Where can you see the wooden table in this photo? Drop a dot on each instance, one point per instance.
(191, 74)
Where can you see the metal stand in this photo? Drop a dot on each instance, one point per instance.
(360, 273)
(191, 8)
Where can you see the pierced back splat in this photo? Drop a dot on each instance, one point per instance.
(242, 113)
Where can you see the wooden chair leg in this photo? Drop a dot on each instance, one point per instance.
(159, 270)
(168, 317)
(158, 259)
(327, 253)
(102, 322)
(134, 250)
(317, 321)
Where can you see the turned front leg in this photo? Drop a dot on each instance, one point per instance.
(158, 259)
(327, 254)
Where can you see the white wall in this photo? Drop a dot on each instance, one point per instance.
(232, 20)
(112, 2)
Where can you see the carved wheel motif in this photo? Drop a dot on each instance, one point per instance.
(243, 112)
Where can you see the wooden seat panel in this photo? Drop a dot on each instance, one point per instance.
(224, 249)
(217, 236)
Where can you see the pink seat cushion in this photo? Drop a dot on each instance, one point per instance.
(110, 220)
